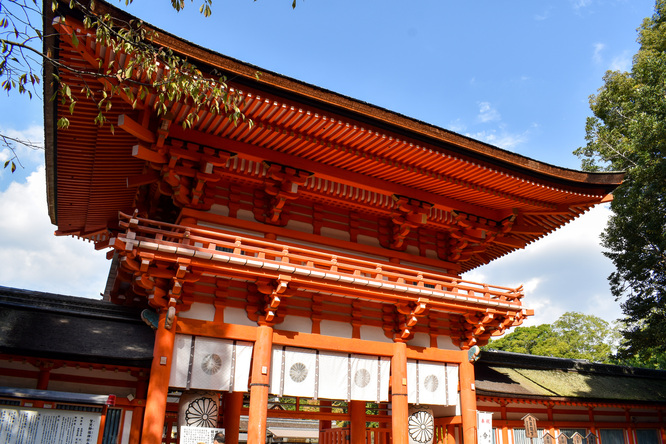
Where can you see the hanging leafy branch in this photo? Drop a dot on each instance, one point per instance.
(147, 69)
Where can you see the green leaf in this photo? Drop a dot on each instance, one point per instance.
(63, 123)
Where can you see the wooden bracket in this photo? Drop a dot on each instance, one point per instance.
(411, 214)
(282, 184)
(273, 290)
(411, 314)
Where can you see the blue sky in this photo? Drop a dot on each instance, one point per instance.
(515, 74)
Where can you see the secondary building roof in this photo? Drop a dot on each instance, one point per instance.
(514, 375)
(50, 326)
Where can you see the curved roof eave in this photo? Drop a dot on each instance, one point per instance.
(279, 84)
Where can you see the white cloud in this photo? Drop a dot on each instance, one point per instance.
(487, 113)
(457, 126)
(565, 271)
(542, 17)
(598, 49)
(501, 138)
(621, 62)
(33, 257)
(29, 158)
(579, 4)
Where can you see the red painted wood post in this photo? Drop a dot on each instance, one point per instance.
(467, 400)
(233, 402)
(400, 407)
(44, 376)
(135, 427)
(158, 386)
(358, 415)
(324, 424)
(259, 385)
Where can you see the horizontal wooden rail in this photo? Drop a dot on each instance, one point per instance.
(261, 254)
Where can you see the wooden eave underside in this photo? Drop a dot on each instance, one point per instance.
(348, 145)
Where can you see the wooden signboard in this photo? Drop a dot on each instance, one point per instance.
(530, 426)
(484, 426)
(548, 438)
(20, 425)
(577, 438)
(562, 439)
(198, 435)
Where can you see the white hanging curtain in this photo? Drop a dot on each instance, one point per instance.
(329, 375)
(293, 372)
(210, 364)
(334, 375)
(432, 383)
(369, 377)
(180, 362)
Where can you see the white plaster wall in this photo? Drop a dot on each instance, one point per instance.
(413, 250)
(200, 311)
(245, 215)
(423, 267)
(94, 373)
(367, 240)
(376, 334)
(127, 425)
(12, 381)
(445, 343)
(218, 209)
(330, 248)
(337, 329)
(420, 340)
(295, 323)
(237, 316)
(297, 225)
(230, 229)
(92, 389)
(335, 234)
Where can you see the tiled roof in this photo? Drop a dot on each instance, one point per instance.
(516, 375)
(352, 147)
(52, 326)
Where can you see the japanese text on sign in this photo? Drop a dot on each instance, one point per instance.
(43, 426)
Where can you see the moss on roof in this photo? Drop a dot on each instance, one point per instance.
(571, 384)
(517, 375)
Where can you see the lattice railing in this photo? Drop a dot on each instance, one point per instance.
(262, 254)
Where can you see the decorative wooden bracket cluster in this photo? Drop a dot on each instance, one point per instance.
(473, 235)
(410, 313)
(410, 214)
(468, 238)
(282, 184)
(160, 281)
(181, 169)
(264, 310)
(159, 277)
(477, 328)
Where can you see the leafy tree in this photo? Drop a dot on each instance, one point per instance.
(583, 336)
(628, 133)
(527, 340)
(649, 358)
(23, 55)
(573, 336)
